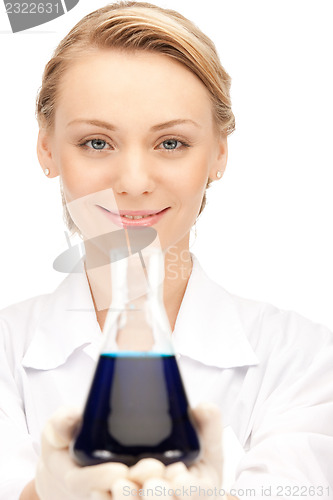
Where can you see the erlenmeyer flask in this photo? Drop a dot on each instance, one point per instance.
(137, 406)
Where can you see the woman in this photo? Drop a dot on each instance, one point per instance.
(134, 114)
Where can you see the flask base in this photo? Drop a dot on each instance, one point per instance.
(137, 408)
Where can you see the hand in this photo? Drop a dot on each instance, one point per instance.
(205, 474)
(58, 477)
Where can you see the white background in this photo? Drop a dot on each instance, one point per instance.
(266, 233)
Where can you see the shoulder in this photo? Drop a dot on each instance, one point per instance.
(23, 313)
(294, 352)
(270, 331)
(265, 323)
(47, 322)
(21, 318)
(18, 322)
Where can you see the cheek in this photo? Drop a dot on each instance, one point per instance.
(192, 186)
(87, 215)
(78, 178)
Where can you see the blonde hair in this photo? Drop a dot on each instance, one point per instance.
(130, 25)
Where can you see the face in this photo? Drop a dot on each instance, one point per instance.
(133, 136)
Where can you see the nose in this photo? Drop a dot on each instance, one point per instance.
(134, 174)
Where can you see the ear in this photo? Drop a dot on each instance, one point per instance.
(44, 153)
(220, 158)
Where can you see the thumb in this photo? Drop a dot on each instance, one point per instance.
(61, 427)
(208, 419)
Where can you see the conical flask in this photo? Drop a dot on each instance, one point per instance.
(137, 405)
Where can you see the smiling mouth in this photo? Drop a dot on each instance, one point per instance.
(139, 214)
(135, 217)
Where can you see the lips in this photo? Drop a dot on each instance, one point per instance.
(138, 213)
(137, 218)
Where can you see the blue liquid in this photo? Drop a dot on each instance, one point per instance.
(136, 408)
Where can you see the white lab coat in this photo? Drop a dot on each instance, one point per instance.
(270, 371)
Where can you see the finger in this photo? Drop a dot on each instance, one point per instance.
(188, 479)
(55, 453)
(174, 470)
(187, 484)
(209, 421)
(124, 489)
(155, 488)
(52, 437)
(48, 487)
(146, 468)
(59, 463)
(208, 418)
(63, 425)
(100, 495)
(95, 477)
(41, 479)
(60, 428)
(184, 480)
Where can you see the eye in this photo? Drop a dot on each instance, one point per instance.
(95, 144)
(173, 145)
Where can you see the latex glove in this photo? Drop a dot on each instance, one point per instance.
(58, 477)
(206, 473)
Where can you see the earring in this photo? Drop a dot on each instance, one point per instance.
(46, 171)
(219, 174)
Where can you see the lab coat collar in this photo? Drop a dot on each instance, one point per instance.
(67, 323)
(208, 327)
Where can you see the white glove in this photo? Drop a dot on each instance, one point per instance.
(205, 474)
(58, 477)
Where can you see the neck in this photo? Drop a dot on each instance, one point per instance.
(178, 267)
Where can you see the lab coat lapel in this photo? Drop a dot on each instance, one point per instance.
(68, 322)
(208, 327)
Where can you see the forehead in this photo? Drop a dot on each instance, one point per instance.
(141, 84)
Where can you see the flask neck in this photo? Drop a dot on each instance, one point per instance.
(137, 322)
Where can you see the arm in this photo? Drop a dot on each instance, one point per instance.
(18, 457)
(291, 441)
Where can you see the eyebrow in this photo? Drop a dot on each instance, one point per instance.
(172, 123)
(160, 126)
